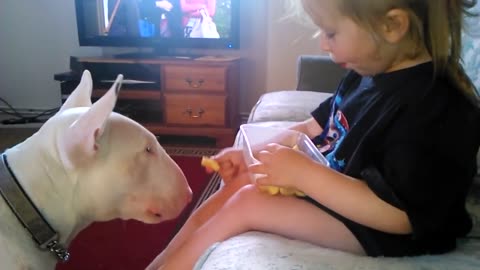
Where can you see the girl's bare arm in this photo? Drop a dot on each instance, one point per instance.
(353, 199)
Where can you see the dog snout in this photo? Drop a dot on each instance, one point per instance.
(186, 193)
(179, 202)
(189, 195)
(179, 192)
(183, 194)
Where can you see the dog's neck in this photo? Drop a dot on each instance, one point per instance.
(56, 201)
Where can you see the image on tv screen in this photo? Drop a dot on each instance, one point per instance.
(158, 19)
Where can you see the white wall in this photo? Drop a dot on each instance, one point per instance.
(287, 39)
(38, 37)
(36, 41)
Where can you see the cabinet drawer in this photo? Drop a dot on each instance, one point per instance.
(195, 109)
(194, 78)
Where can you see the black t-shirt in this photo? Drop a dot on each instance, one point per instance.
(413, 139)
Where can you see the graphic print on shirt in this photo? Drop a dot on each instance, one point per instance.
(335, 133)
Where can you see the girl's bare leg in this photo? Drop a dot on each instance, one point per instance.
(200, 216)
(250, 210)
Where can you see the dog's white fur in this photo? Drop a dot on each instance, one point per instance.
(85, 164)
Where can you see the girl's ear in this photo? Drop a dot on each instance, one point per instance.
(396, 25)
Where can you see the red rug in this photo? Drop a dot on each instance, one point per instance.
(131, 245)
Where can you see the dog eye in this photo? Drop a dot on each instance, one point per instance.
(149, 149)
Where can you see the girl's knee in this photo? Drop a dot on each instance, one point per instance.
(248, 194)
(241, 207)
(245, 198)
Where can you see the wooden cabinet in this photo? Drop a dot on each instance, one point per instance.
(169, 96)
(198, 79)
(195, 109)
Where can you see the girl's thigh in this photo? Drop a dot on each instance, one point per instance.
(290, 217)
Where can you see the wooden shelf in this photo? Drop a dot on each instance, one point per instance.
(184, 97)
(132, 94)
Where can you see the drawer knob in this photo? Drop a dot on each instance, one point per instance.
(194, 84)
(196, 114)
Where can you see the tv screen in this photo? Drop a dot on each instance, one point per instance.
(162, 25)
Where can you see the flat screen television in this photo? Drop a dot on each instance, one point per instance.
(164, 25)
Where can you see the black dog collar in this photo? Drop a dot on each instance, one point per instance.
(22, 206)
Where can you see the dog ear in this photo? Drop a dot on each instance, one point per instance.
(80, 97)
(80, 141)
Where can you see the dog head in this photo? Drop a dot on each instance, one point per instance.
(109, 165)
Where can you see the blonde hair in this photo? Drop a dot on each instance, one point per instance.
(434, 24)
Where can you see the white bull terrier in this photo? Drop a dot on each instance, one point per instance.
(85, 164)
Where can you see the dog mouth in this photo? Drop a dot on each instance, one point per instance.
(159, 214)
(156, 215)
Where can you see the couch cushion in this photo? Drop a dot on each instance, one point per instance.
(473, 207)
(471, 59)
(471, 48)
(471, 55)
(258, 250)
(310, 66)
(288, 105)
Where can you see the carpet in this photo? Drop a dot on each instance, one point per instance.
(12, 136)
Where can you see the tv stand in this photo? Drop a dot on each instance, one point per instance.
(137, 55)
(169, 96)
(157, 53)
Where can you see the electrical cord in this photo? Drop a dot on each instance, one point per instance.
(22, 119)
(14, 112)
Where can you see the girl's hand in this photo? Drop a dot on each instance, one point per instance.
(231, 163)
(280, 165)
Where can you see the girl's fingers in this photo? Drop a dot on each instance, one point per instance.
(224, 155)
(263, 156)
(225, 165)
(257, 168)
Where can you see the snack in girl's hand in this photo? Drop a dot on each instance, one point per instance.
(274, 190)
(291, 192)
(210, 163)
(300, 193)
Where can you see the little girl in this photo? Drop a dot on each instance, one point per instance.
(192, 14)
(401, 134)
